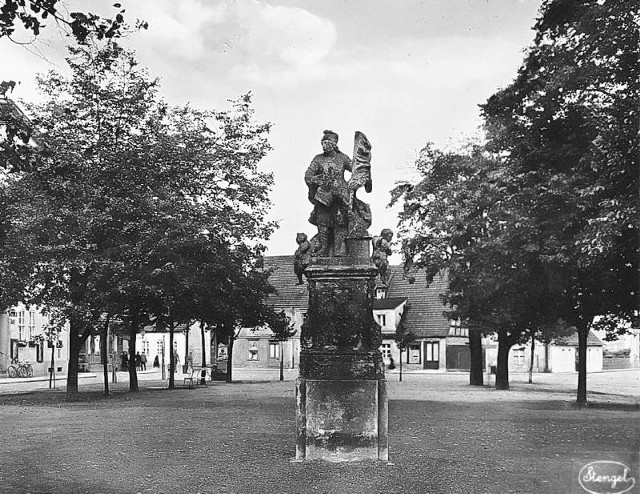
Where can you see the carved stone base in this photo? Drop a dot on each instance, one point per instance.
(342, 420)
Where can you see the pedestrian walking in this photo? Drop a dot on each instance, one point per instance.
(156, 362)
(143, 361)
(138, 361)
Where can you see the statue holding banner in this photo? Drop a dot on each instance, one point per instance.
(337, 211)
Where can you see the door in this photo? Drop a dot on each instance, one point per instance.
(458, 357)
(431, 354)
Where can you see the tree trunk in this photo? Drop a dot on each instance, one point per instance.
(230, 359)
(172, 358)
(133, 374)
(76, 339)
(281, 362)
(186, 345)
(546, 357)
(533, 351)
(104, 346)
(204, 342)
(583, 333)
(52, 373)
(476, 374)
(502, 368)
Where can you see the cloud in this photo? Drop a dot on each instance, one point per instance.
(251, 41)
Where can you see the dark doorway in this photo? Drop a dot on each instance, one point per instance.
(431, 354)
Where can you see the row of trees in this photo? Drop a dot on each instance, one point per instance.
(117, 208)
(538, 225)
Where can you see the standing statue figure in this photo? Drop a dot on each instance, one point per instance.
(329, 193)
(302, 256)
(337, 211)
(381, 251)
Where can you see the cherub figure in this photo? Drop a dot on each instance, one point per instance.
(302, 256)
(381, 251)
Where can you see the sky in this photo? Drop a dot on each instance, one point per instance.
(403, 72)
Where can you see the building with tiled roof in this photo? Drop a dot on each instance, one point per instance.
(257, 348)
(439, 344)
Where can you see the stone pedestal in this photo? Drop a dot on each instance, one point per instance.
(342, 412)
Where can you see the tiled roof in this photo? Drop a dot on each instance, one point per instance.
(572, 340)
(425, 317)
(288, 294)
(388, 303)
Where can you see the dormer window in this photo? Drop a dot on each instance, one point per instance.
(381, 293)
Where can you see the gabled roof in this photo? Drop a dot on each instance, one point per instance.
(572, 340)
(288, 294)
(388, 303)
(425, 317)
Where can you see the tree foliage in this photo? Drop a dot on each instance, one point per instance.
(33, 15)
(139, 210)
(540, 223)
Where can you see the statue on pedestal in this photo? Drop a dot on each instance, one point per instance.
(341, 394)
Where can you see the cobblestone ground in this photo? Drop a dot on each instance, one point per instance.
(445, 437)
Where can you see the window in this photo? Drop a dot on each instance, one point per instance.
(21, 332)
(159, 347)
(414, 354)
(433, 351)
(253, 350)
(145, 347)
(381, 293)
(456, 328)
(274, 350)
(32, 323)
(518, 357)
(382, 320)
(385, 349)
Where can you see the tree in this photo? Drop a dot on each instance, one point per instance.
(403, 335)
(33, 14)
(466, 217)
(242, 305)
(280, 325)
(130, 198)
(567, 127)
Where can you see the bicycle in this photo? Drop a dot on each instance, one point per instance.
(23, 369)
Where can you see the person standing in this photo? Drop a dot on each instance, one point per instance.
(143, 361)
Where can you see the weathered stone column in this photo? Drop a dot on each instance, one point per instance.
(342, 412)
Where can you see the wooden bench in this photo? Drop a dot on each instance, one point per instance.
(198, 377)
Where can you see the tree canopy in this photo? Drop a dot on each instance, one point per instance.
(540, 222)
(137, 209)
(34, 15)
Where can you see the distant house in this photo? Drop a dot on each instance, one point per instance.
(425, 319)
(22, 339)
(256, 348)
(562, 354)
